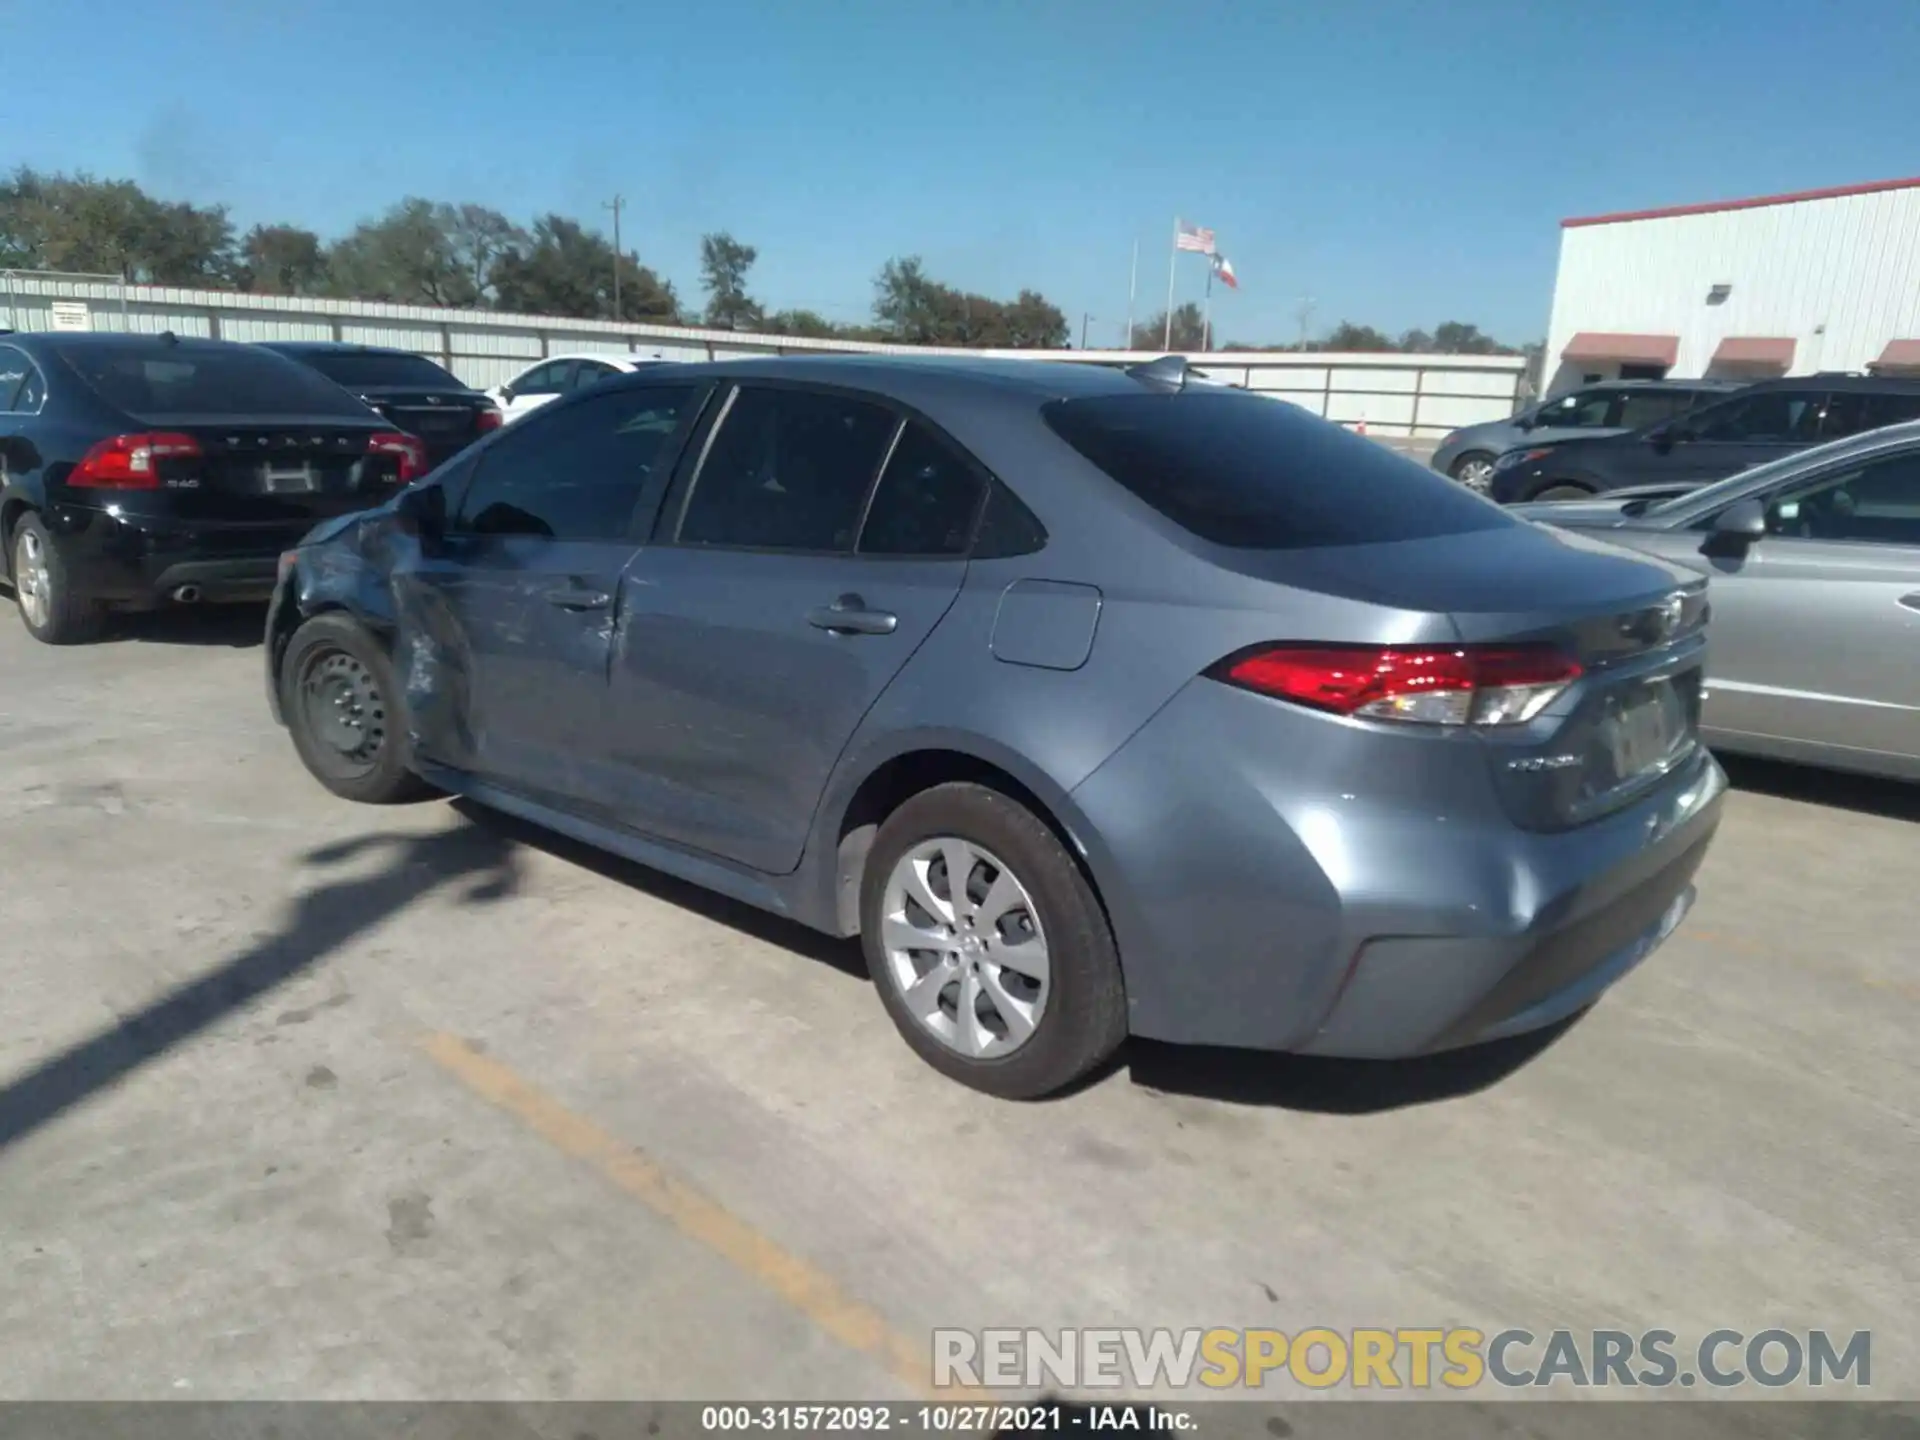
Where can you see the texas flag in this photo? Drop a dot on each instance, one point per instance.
(1223, 268)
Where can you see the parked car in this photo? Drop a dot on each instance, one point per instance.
(1815, 566)
(1607, 408)
(560, 375)
(417, 395)
(138, 469)
(1081, 696)
(1756, 424)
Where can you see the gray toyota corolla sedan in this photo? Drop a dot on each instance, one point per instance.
(1095, 702)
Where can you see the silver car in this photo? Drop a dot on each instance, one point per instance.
(1814, 566)
(1609, 408)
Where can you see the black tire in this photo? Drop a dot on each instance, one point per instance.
(1562, 490)
(50, 607)
(333, 660)
(1083, 1018)
(1473, 469)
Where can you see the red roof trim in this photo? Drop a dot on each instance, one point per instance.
(1634, 349)
(1755, 350)
(1903, 353)
(1872, 187)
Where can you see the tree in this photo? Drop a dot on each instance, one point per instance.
(1347, 337)
(912, 308)
(1452, 337)
(1189, 330)
(281, 260)
(406, 256)
(479, 238)
(805, 323)
(724, 263)
(111, 227)
(567, 270)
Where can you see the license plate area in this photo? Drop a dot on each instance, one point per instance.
(1643, 729)
(288, 479)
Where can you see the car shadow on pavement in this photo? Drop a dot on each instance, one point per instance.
(1894, 799)
(323, 920)
(842, 955)
(1324, 1086)
(239, 627)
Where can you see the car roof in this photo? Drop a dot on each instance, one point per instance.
(334, 347)
(1843, 381)
(906, 376)
(81, 340)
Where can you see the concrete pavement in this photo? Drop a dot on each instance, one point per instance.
(304, 1100)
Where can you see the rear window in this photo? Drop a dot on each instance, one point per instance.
(176, 380)
(357, 369)
(1260, 474)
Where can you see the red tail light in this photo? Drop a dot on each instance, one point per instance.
(488, 419)
(410, 452)
(130, 462)
(1427, 685)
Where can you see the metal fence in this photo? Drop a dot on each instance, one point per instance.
(1390, 395)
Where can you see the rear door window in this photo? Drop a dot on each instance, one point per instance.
(1639, 411)
(787, 470)
(1852, 412)
(926, 502)
(1771, 417)
(209, 380)
(1258, 474)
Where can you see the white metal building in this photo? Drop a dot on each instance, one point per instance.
(1776, 285)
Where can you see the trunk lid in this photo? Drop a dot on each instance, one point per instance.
(1635, 624)
(445, 420)
(279, 469)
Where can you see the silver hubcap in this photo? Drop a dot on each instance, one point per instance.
(31, 582)
(964, 946)
(1475, 474)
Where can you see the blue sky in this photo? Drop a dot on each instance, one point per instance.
(1401, 163)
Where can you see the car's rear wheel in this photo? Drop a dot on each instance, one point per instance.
(341, 699)
(50, 607)
(1562, 490)
(1474, 470)
(988, 946)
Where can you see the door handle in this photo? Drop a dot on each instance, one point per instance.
(1912, 602)
(849, 615)
(578, 597)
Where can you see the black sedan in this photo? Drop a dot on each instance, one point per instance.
(417, 395)
(138, 470)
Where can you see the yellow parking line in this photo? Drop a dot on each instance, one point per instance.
(804, 1286)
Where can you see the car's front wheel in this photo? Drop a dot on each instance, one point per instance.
(341, 699)
(51, 606)
(1474, 470)
(988, 946)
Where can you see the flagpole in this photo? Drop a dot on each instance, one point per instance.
(1133, 290)
(1173, 257)
(1206, 313)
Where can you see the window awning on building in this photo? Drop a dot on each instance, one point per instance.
(1899, 355)
(1768, 350)
(1628, 349)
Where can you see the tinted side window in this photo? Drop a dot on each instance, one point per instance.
(1878, 502)
(926, 502)
(548, 379)
(1639, 411)
(1008, 528)
(1785, 416)
(788, 470)
(575, 473)
(1581, 410)
(1253, 473)
(1850, 412)
(587, 372)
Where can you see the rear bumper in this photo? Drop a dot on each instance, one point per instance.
(1272, 891)
(137, 561)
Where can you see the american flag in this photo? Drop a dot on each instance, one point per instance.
(1192, 237)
